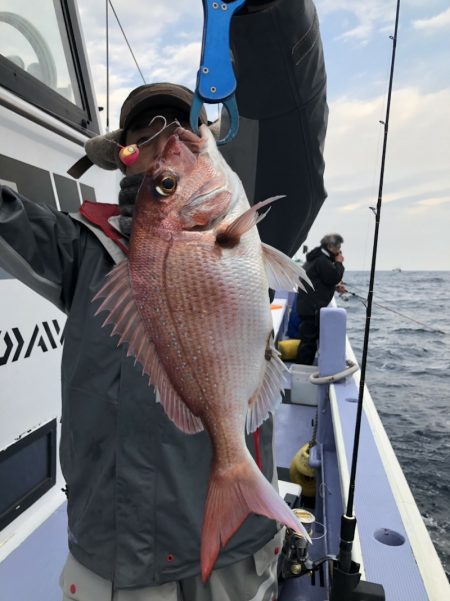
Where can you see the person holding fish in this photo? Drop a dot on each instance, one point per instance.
(169, 372)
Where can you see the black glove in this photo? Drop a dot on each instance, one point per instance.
(129, 187)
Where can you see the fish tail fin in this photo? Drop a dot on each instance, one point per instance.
(231, 498)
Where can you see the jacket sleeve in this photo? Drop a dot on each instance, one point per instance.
(39, 246)
(329, 272)
(281, 96)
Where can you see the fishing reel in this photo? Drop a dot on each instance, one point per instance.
(346, 583)
(295, 560)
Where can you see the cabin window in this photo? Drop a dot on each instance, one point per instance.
(42, 60)
(33, 36)
(27, 471)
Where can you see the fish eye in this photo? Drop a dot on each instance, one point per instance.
(166, 184)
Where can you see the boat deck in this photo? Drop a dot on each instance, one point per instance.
(32, 570)
(293, 429)
(43, 553)
(392, 545)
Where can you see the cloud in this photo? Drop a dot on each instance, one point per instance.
(407, 196)
(440, 21)
(376, 16)
(416, 196)
(166, 42)
(351, 207)
(433, 202)
(418, 136)
(180, 61)
(369, 16)
(428, 205)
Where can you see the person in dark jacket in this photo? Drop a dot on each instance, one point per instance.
(137, 484)
(325, 268)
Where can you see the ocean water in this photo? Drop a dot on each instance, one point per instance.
(408, 375)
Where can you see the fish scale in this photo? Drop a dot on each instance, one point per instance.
(204, 286)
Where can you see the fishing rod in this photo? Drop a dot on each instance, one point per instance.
(421, 323)
(346, 574)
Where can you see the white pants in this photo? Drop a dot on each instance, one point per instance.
(252, 579)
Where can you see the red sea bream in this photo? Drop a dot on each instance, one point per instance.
(192, 303)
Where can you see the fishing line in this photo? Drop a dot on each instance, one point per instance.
(421, 323)
(126, 40)
(108, 3)
(107, 66)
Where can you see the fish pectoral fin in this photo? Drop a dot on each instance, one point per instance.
(269, 394)
(282, 272)
(229, 235)
(123, 314)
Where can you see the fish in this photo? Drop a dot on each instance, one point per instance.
(191, 301)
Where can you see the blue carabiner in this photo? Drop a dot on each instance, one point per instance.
(216, 82)
(229, 103)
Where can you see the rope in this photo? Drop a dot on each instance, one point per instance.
(315, 378)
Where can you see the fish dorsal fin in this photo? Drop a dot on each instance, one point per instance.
(282, 272)
(123, 314)
(269, 395)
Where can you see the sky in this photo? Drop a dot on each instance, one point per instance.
(165, 36)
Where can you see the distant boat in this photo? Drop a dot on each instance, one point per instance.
(397, 269)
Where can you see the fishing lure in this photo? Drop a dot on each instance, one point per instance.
(129, 154)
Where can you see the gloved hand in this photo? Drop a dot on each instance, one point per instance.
(129, 187)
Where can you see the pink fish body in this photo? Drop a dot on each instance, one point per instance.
(192, 303)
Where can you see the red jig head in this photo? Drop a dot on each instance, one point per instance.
(129, 154)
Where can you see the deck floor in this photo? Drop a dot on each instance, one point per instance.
(31, 572)
(293, 429)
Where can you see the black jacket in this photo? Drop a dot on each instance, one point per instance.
(324, 273)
